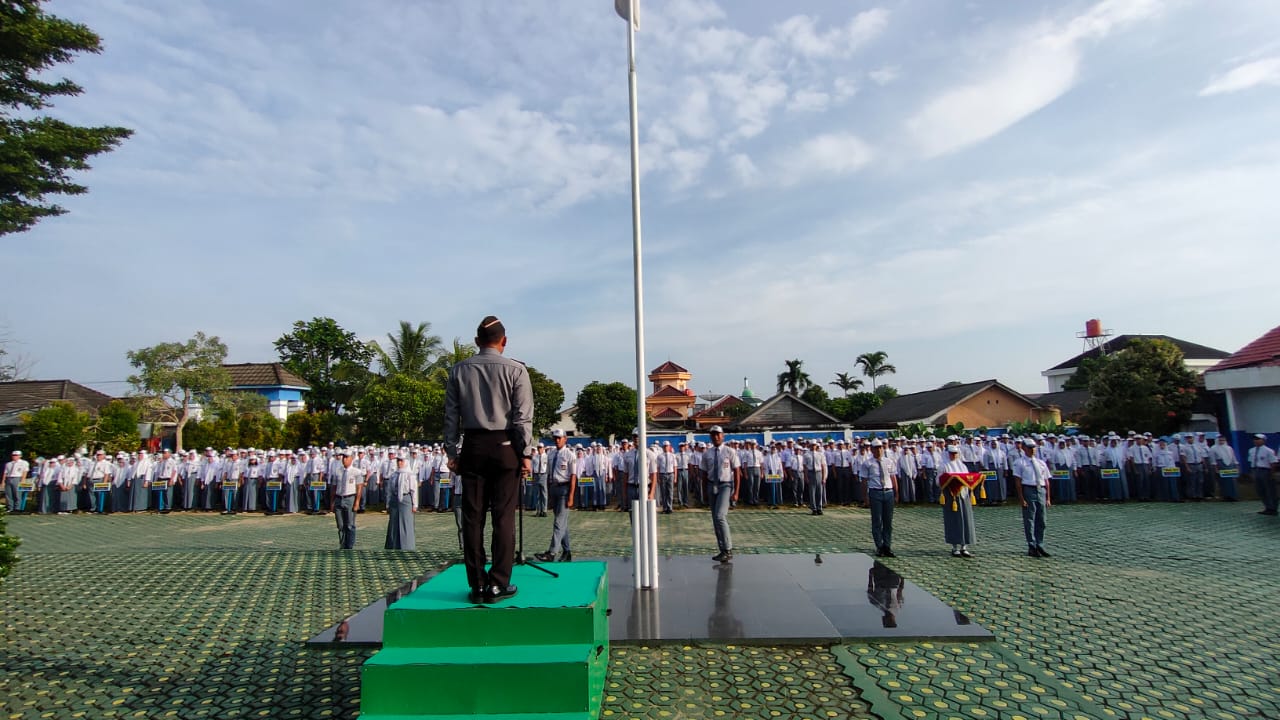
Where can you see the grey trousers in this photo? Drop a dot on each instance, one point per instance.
(559, 504)
(345, 515)
(881, 517)
(720, 515)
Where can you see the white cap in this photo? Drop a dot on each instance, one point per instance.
(18, 453)
(558, 433)
(953, 449)
(716, 429)
(1260, 436)
(877, 443)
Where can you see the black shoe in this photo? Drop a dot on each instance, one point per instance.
(496, 594)
(723, 557)
(880, 551)
(1032, 551)
(1267, 512)
(966, 553)
(545, 557)
(476, 596)
(566, 556)
(955, 552)
(1041, 552)
(888, 553)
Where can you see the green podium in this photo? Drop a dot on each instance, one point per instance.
(542, 653)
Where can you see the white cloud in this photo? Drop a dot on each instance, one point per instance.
(1243, 77)
(1040, 67)
(884, 75)
(801, 34)
(807, 100)
(744, 170)
(831, 154)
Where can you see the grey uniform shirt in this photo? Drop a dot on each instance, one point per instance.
(488, 391)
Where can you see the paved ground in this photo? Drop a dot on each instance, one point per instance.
(1145, 611)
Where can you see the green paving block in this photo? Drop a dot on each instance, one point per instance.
(482, 680)
(567, 609)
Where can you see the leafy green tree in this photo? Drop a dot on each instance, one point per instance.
(854, 406)
(8, 547)
(794, 379)
(116, 428)
(412, 351)
(846, 382)
(886, 392)
(873, 365)
(401, 408)
(1085, 372)
(172, 375)
(40, 154)
(603, 410)
(334, 362)
(55, 430)
(259, 430)
(548, 398)
(1145, 387)
(303, 429)
(816, 396)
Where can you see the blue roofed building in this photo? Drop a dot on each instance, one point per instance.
(283, 390)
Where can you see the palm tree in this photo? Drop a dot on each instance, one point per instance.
(412, 351)
(846, 382)
(873, 366)
(794, 380)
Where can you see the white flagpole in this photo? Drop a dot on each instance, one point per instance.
(643, 553)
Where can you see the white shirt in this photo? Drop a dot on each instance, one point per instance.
(16, 469)
(880, 473)
(1031, 471)
(346, 480)
(720, 462)
(1261, 457)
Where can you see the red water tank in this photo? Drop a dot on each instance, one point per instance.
(1093, 328)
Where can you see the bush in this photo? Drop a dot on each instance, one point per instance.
(8, 548)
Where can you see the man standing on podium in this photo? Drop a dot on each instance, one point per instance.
(488, 432)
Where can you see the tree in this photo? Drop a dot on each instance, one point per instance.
(401, 408)
(412, 351)
(846, 382)
(1145, 387)
(333, 362)
(873, 365)
(8, 548)
(951, 384)
(55, 430)
(793, 379)
(173, 374)
(11, 367)
(886, 392)
(38, 154)
(548, 398)
(604, 410)
(116, 428)
(817, 397)
(854, 406)
(1085, 372)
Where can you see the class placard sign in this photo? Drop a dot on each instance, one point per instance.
(773, 478)
(988, 475)
(318, 485)
(160, 485)
(1110, 473)
(1171, 472)
(27, 485)
(445, 481)
(101, 486)
(274, 484)
(1061, 474)
(587, 481)
(1232, 472)
(230, 484)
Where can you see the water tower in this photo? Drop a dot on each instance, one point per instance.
(1094, 336)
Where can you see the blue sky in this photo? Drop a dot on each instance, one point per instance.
(961, 185)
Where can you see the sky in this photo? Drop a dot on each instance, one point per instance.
(961, 185)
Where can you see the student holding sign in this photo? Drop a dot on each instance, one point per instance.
(1168, 471)
(1228, 469)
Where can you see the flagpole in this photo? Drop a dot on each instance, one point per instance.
(644, 553)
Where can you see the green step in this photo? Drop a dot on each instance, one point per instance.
(519, 679)
(569, 609)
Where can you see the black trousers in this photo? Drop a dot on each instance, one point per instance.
(490, 470)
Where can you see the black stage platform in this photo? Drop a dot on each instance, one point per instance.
(755, 599)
